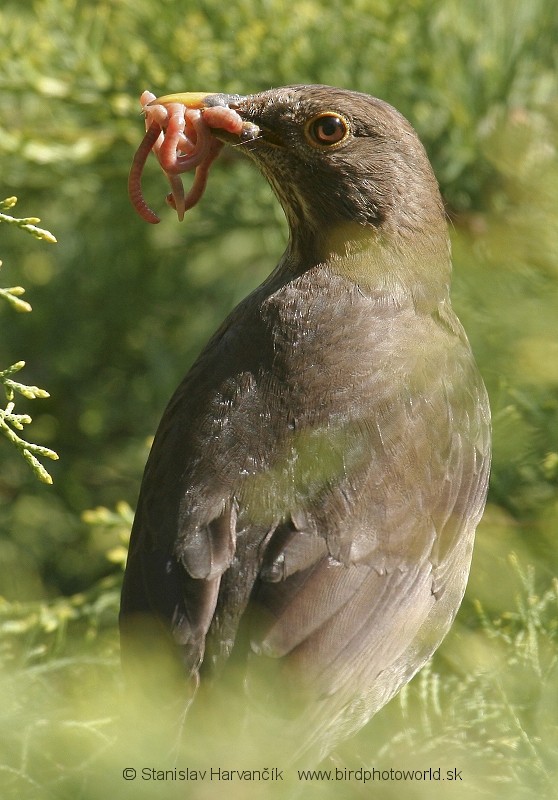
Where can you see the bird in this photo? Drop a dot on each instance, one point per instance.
(307, 513)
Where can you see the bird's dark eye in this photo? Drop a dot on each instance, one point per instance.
(327, 129)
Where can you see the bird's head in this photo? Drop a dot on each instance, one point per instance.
(354, 181)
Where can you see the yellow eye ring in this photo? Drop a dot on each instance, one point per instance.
(327, 129)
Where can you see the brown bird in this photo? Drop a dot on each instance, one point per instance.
(309, 504)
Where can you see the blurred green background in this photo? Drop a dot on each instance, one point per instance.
(121, 308)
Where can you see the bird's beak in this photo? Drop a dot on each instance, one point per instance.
(199, 100)
(204, 101)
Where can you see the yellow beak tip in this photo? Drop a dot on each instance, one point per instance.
(187, 99)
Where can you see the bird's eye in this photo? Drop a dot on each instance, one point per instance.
(327, 129)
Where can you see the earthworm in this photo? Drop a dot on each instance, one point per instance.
(182, 140)
(134, 179)
(199, 184)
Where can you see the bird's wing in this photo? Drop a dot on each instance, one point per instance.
(184, 534)
(355, 631)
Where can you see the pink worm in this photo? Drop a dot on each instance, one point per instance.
(182, 140)
(134, 179)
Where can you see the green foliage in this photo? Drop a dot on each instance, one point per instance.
(10, 422)
(28, 224)
(122, 309)
(486, 707)
(118, 522)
